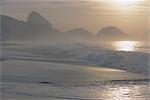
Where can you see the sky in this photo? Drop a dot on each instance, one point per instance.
(131, 16)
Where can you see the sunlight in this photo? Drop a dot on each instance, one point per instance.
(125, 45)
(119, 93)
(126, 2)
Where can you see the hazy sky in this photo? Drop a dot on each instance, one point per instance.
(129, 15)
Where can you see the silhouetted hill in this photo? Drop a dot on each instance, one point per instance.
(35, 27)
(112, 33)
(36, 18)
(14, 29)
(78, 32)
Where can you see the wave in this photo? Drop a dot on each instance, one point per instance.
(81, 54)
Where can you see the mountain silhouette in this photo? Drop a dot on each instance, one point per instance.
(35, 27)
(13, 29)
(36, 18)
(112, 33)
(78, 32)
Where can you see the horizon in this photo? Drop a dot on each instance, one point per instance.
(75, 49)
(70, 28)
(91, 15)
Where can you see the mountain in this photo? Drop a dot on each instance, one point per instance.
(41, 26)
(35, 27)
(78, 33)
(36, 18)
(112, 33)
(14, 29)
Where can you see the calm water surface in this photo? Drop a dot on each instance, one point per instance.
(88, 91)
(70, 82)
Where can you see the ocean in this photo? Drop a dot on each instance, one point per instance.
(74, 72)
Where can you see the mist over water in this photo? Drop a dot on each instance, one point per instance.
(75, 50)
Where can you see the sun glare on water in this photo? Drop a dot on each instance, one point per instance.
(125, 45)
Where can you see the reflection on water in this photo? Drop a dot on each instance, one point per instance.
(132, 90)
(138, 46)
(126, 45)
(125, 91)
(120, 92)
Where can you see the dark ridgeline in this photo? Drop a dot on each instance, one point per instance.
(78, 33)
(37, 27)
(112, 33)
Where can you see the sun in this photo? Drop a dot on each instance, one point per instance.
(126, 2)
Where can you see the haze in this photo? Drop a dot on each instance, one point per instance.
(132, 18)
